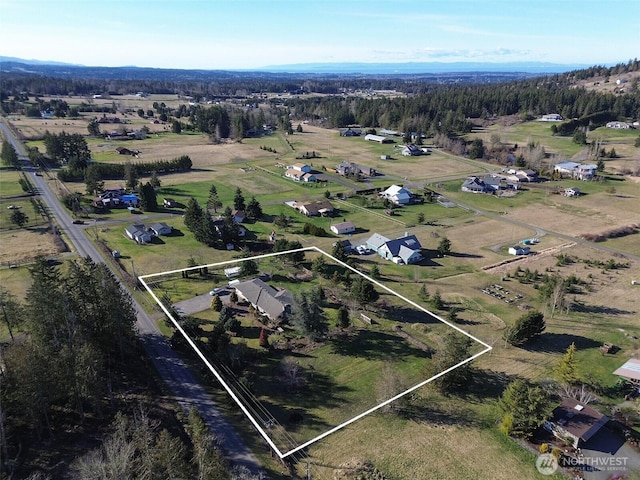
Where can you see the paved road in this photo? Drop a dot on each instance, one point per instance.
(185, 388)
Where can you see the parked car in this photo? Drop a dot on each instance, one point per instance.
(216, 291)
(78, 222)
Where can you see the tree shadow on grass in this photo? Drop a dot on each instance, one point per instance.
(559, 342)
(599, 309)
(410, 315)
(375, 346)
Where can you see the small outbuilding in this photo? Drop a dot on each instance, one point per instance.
(343, 228)
(161, 229)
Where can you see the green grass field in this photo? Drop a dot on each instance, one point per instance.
(9, 183)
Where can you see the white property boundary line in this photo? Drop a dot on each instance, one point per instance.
(230, 391)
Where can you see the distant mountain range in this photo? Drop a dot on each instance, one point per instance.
(407, 68)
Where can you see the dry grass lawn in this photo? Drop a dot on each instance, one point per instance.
(422, 449)
(25, 244)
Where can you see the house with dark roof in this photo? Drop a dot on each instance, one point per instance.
(411, 150)
(269, 301)
(474, 185)
(575, 422)
(314, 209)
(403, 250)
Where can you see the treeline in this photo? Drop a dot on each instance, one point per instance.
(76, 335)
(448, 108)
(115, 171)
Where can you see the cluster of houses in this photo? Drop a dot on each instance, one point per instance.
(142, 234)
(493, 182)
(115, 198)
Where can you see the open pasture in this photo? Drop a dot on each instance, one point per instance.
(337, 377)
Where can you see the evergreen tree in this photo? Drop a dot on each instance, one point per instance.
(363, 291)
(566, 370)
(254, 210)
(18, 218)
(456, 349)
(130, 175)
(193, 215)
(344, 319)
(155, 181)
(213, 202)
(216, 303)
(526, 327)
(9, 155)
(444, 247)
(148, 199)
(525, 409)
(238, 200)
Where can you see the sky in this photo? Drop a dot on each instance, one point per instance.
(246, 34)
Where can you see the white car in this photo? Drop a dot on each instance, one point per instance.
(216, 291)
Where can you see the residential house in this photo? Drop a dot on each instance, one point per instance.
(343, 228)
(301, 167)
(376, 138)
(527, 175)
(161, 229)
(384, 131)
(518, 250)
(474, 185)
(314, 209)
(411, 150)
(138, 233)
(239, 216)
(566, 169)
(572, 192)
(351, 132)
(586, 172)
(491, 182)
(404, 250)
(271, 302)
(46, 114)
(574, 422)
(299, 176)
(348, 168)
(619, 125)
(551, 117)
(397, 194)
(376, 241)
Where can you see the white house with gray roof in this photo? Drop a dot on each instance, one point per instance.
(268, 300)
